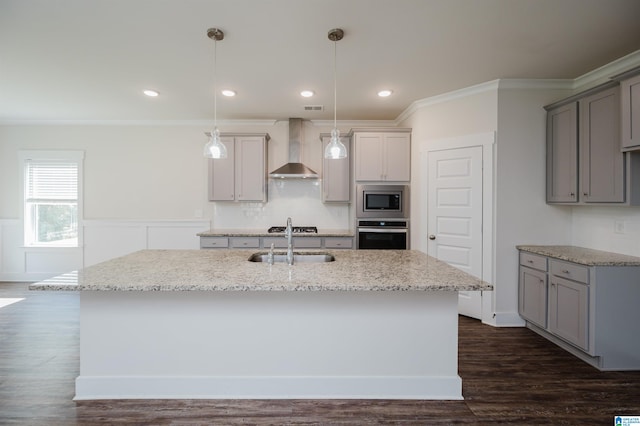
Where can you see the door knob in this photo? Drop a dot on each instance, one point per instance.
(432, 237)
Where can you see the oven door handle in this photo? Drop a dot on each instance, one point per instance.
(384, 230)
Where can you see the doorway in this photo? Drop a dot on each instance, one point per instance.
(458, 211)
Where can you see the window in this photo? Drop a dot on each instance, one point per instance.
(52, 206)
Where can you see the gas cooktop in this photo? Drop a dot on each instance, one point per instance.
(296, 229)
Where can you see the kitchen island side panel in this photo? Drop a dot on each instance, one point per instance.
(399, 345)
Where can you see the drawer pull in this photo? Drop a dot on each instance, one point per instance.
(564, 271)
(530, 261)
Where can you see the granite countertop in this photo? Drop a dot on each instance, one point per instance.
(583, 256)
(264, 233)
(229, 270)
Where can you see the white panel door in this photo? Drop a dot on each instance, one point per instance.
(455, 216)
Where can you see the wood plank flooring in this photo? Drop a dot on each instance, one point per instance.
(510, 376)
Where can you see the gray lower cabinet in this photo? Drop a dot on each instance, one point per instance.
(278, 242)
(532, 292)
(591, 311)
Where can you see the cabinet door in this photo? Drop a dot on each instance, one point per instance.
(601, 161)
(568, 311)
(250, 173)
(221, 175)
(369, 154)
(336, 176)
(532, 296)
(562, 154)
(630, 97)
(397, 157)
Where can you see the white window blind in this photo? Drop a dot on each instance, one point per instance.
(47, 181)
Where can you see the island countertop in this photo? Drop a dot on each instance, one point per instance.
(230, 270)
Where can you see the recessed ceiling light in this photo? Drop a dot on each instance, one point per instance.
(227, 92)
(307, 93)
(385, 93)
(151, 93)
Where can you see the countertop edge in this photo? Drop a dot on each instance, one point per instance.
(582, 255)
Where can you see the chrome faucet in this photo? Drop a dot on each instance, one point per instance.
(288, 233)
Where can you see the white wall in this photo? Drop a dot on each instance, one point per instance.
(521, 213)
(145, 186)
(595, 227)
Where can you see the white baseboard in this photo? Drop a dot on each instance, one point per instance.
(284, 387)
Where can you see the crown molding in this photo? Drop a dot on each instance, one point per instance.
(591, 79)
(154, 123)
(355, 123)
(446, 97)
(605, 72)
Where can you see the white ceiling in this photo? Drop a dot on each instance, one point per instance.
(90, 59)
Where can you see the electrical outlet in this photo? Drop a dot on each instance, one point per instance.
(618, 227)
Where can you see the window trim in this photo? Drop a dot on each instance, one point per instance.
(61, 155)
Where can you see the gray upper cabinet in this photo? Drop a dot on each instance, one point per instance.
(336, 177)
(585, 165)
(242, 176)
(601, 161)
(562, 154)
(630, 105)
(382, 155)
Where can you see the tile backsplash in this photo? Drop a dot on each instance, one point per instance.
(300, 199)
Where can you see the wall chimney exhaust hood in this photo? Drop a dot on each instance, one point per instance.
(294, 169)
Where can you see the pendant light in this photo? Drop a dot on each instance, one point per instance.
(335, 149)
(215, 148)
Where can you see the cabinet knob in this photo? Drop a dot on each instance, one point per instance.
(586, 194)
(432, 237)
(572, 194)
(541, 281)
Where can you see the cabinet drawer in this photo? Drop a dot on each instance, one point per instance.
(307, 242)
(278, 242)
(337, 242)
(214, 242)
(533, 261)
(570, 271)
(245, 242)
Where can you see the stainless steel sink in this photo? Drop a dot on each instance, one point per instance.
(297, 257)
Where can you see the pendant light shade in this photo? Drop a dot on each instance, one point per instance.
(215, 148)
(335, 149)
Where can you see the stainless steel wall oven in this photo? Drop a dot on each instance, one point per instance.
(382, 234)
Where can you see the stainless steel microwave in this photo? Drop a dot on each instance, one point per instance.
(382, 201)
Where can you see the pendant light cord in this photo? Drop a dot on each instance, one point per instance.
(215, 84)
(335, 90)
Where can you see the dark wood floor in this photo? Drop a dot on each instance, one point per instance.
(510, 376)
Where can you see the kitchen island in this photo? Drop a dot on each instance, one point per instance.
(211, 324)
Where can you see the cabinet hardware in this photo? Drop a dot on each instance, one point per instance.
(432, 237)
(530, 261)
(564, 271)
(572, 194)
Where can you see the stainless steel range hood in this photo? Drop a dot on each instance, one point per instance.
(294, 169)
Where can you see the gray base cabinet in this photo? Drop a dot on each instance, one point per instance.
(278, 242)
(591, 311)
